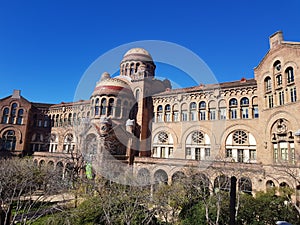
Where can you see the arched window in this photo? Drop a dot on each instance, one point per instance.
(159, 113)
(53, 143)
(233, 102)
(184, 112)
(110, 109)
(277, 66)
(168, 113)
(268, 84)
(70, 119)
(244, 101)
(131, 68)
(103, 106)
(137, 67)
(279, 80)
(240, 146)
(69, 143)
(163, 145)
(9, 140)
(13, 113)
(245, 107)
(137, 94)
(97, 107)
(290, 74)
(233, 108)
(5, 115)
(193, 112)
(202, 110)
(197, 146)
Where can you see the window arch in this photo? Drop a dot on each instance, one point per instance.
(131, 68)
(9, 140)
(97, 107)
(103, 106)
(197, 146)
(13, 113)
(159, 113)
(240, 146)
(193, 111)
(5, 116)
(276, 66)
(53, 143)
(202, 110)
(268, 84)
(110, 109)
(244, 101)
(69, 143)
(163, 145)
(289, 75)
(233, 102)
(168, 113)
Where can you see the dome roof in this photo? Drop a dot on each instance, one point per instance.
(112, 86)
(137, 54)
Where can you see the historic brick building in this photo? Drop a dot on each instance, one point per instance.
(248, 128)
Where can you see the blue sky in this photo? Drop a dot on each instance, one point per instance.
(46, 46)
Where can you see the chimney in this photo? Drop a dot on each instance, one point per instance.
(16, 94)
(275, 39)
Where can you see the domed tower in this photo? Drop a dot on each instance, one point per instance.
(137, 63)
(112, 98)
(137, 66)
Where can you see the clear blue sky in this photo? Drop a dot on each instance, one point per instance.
(46, 46)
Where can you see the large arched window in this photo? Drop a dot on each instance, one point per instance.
(5, 115)
(197, 146)
(283, 142)
(163, 145)
(241, 146)
(9, 140)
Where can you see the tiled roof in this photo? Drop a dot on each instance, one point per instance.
(225, 85)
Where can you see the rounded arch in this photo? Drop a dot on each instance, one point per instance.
(143, 176)
(222, 183)
(270, 184)
(245, 185)
(178, 176)
(160, 177)
(168, 130)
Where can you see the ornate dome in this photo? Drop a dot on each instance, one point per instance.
(111, 86)
(137, 54)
